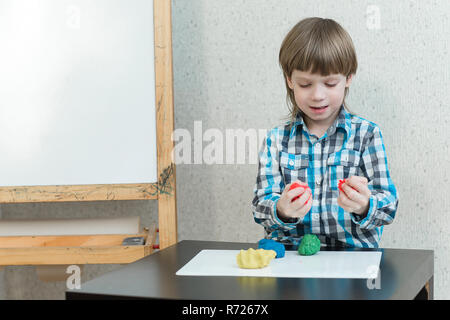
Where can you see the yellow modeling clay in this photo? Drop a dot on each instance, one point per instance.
(255, 259)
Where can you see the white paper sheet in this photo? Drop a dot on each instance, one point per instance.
(324, 264)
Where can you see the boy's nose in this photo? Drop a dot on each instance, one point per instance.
(318, 94)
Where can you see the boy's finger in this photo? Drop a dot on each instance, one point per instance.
(347, 202)
(302, 200)
(357, 199)
(359, 186)
(295, 192)
(358, 178)
(340, 204)
(356, 184)
(306, 208)
(351, 193)
(343, 203)
(309, 198)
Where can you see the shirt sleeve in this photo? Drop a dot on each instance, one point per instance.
(269, 186)
(384, 198)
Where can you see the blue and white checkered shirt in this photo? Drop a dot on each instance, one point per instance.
(352, 146)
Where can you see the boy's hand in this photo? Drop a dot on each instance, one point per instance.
(354, 195)
(287, 207)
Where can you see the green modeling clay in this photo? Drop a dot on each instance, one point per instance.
(310, 245)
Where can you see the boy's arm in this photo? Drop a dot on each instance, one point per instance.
(269, 186)
(384, 198)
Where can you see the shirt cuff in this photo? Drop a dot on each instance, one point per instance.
(367, 221)
(291, 222)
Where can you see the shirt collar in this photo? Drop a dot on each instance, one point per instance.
(343, 120)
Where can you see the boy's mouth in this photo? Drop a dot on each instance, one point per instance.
(318, 109)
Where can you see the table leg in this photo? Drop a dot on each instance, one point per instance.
(430, 286)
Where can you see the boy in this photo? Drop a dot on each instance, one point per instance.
(322, 144)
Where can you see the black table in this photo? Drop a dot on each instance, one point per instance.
(403, 273)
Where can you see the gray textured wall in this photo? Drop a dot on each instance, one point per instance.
(226, 77)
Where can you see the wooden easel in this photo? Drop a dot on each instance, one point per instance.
(108, 249)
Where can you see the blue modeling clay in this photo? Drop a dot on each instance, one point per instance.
(269, 244)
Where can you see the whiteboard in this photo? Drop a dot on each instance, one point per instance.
(324, 264)
(77, 92)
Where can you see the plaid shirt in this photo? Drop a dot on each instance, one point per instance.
(351, 146)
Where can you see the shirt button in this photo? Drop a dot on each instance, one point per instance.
(291, 162)
(318, 181)
(315, 217)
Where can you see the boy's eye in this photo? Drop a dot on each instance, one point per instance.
(327, 84)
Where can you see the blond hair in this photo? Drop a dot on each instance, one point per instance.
(316, 45)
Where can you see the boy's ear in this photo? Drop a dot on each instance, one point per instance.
(289, 82)
(349, 80)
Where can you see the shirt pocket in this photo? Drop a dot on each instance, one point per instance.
(294, 167)
(342, 165)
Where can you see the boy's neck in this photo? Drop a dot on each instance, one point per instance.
(318, 128)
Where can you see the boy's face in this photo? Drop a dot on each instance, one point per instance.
(314, 90)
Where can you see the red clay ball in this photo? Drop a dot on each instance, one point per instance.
(298, 185)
